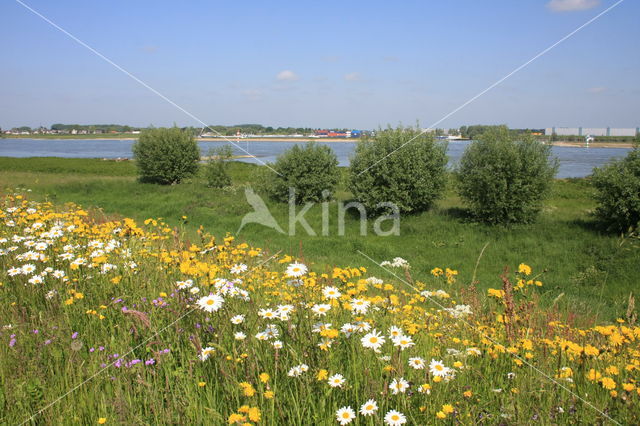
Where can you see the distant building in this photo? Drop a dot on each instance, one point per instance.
(594, 131)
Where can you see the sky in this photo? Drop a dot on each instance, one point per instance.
(330, 64)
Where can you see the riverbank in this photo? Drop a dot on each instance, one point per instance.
(130, 137)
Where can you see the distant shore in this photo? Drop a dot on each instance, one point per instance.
(572, 144)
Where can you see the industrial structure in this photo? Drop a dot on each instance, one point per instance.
(593, 131)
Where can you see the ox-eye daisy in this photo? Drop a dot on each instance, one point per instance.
(417, 363)
(211, 303)
(369, 408)
(373, 340)
(335, 381)
(398, 386)
(394, 418)
(296, 270)
(345, 415)
(331, 293)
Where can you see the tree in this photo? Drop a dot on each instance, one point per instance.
(504, 178)
(166, 155)
(216, 169)
(311, 171)
(403, 166)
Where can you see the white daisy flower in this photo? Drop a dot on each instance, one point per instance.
(369, 408)
(417, 363)
(398, 386)
(331, 293)
(206, 352)
(373, 340)
(238, 319)
(336, 381)
(238, 268)
(345, 415)
(403, 342)
(321, 309)
(296, 270)
(239, 335)
(438, 369)
(394, 418)
(211, 303)
(359, 306)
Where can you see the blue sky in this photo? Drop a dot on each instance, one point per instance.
(322, 64)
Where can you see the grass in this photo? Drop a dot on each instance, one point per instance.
(100, 326)
(585, 269)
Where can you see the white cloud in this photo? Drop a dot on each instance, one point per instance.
(571, 5)
(287, 75)
(352, 76)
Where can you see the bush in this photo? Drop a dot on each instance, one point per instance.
(311, 170)
(618, 192)
(215, 171)
(505, 178)
(403, 166)
(166, 156)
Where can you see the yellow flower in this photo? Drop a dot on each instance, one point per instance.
(254, 414)
(467, 394)
(628, 386)
(268, 394)
(102, 420)
(608, 383)
(441, 415)
(264, 377)
(524, 269)
(235, 418)
(447, 408)
(499, 294)
(202, 384)
(322, 375)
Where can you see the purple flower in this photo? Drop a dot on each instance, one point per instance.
(92, 349)
(35, 332)
(101, 348)
(48, 341)
(74, 335)
(12, 343)
(118, 363)
(150, 361)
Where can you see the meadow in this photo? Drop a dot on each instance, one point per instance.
(587, 269)
(130, 303)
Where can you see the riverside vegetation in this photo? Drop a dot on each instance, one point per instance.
(170, 321)
(115, 321)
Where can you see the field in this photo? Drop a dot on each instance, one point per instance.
(121, 308)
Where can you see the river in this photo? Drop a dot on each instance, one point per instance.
(574, 162)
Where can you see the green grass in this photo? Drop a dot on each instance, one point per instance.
(586, 268)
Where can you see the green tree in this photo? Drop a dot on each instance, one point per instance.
(216, 169)
(618, 192)
(166, 155)
(403, 166)
(311, 170)
(504, 178)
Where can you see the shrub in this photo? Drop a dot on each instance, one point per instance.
(166, 156)
(215, 171)
(403, 166)
(505, 178)
(618, 192)
(312, 170)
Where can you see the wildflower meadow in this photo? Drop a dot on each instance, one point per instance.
(118, 322)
